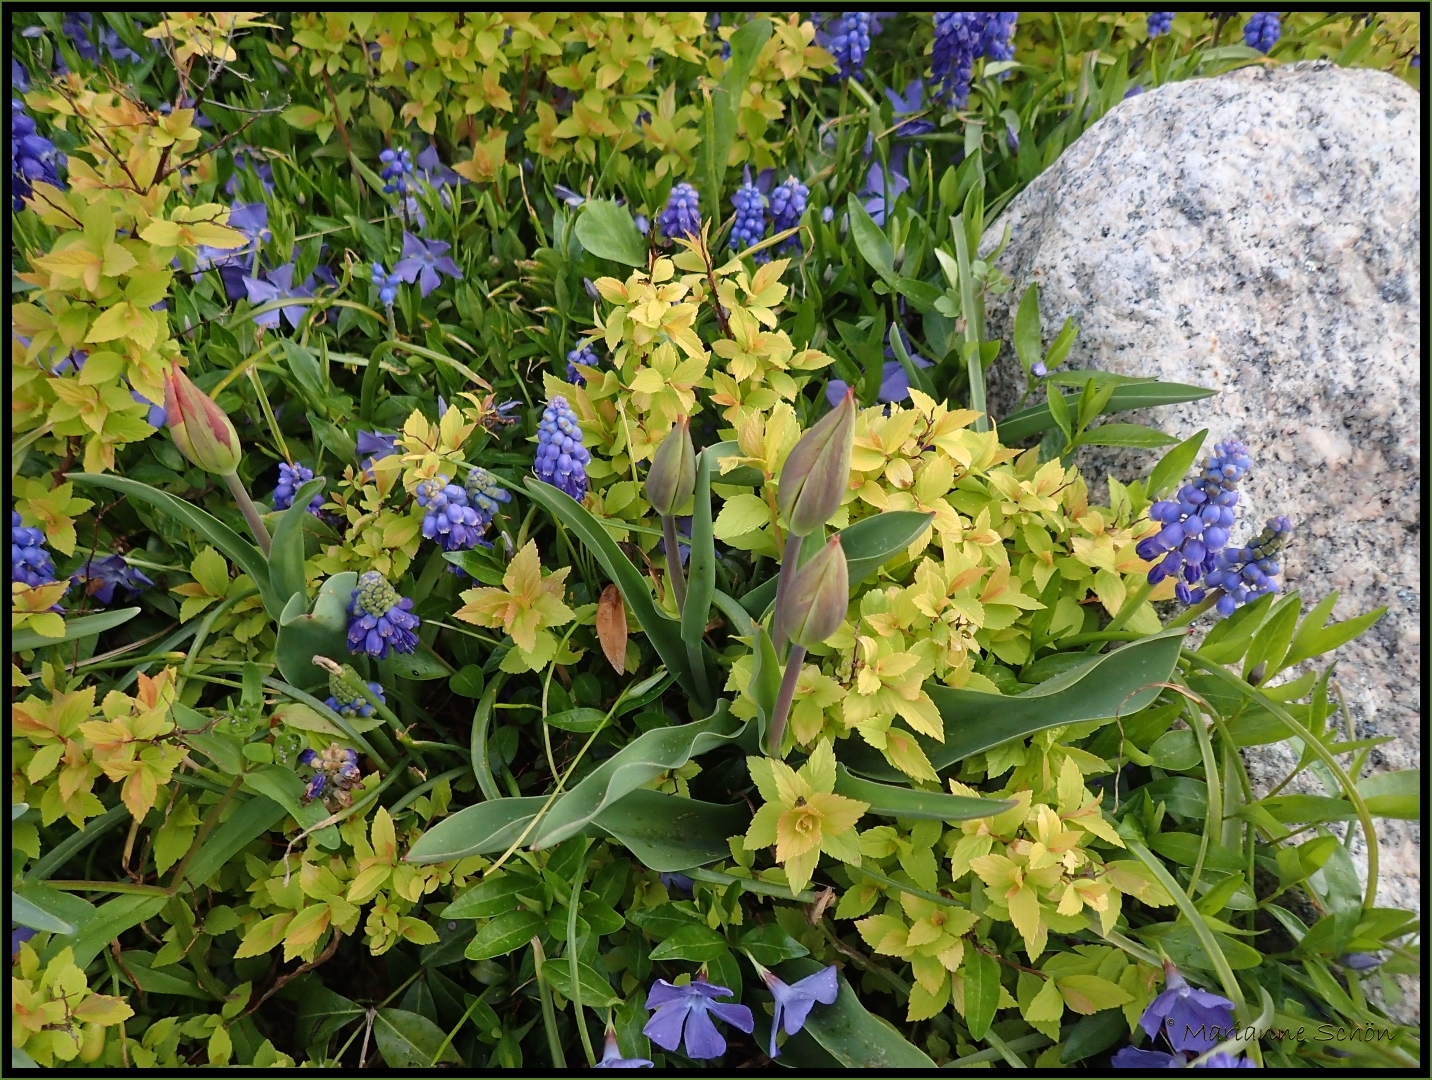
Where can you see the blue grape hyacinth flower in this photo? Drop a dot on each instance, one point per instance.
(847, 38)
(750, 223)
(486, 496)
(33, 158)
(290, 479)
(1196, 522)
(101, 577)
(425, 261)
(1160, 23)
(1248, 572)
(585, 355)
(561, 458)
(397, 167)
(30, 562)
(358, 707)
(961, 37)
(688, 1009)
(449, 520)
(380, 619)
(1262, 30)
(387, 284)
(788, 203)
(682, 216)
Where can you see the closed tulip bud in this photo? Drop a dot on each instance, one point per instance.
(817, 471)
(200, 429)
(814, 606)
(672, 476)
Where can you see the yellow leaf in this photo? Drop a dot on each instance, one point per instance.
(1025, 913)
(1047, 1006)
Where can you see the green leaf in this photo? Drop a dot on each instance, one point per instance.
(1393, 794)
(283, 786)
(1139, 395)
(608, 232)
(28, 913)
(250, 821)
(669, 832)
(1187, 949)
(870, 241)
(1270, 643)
(1028, 339)
(855, 1037)
(770, 944)
(1093, 1035)
(1058, 412)
(1176, 751)
(597, 992)
(286, 552)
(172, 979)
(1124, 435)
(722, 110)
(695, 943)
(981, 992)
(506, 933)
(1118, 683)
(1174, 466)
(664, 633)
(75, 629)
(1307, 809)
(476, 830)
(323, 632)
(424, 665)
(239, 550)
(887, 801)
(489, 897)
(1228, 641)
(701, 565)
(110, 920)
(469, 682)
(408, 1040)
(1314, 639)
(581, 721)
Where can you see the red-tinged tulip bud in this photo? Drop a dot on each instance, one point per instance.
(814, 606)
(817, 471)
(200, 429)
(672, 476)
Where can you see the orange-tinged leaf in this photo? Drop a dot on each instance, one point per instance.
(612, 627)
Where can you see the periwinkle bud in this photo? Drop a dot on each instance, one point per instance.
(814, 606)
(200, 429)
(672, 476)
(816, 474)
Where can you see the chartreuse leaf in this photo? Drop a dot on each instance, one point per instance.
(906, 802)
(608, 232)
(1393, 794)
(663, 632)
(1118, 683)
(1174, 466)
(248, 557)
(286, 551)
(409, 1040)
(851, 1034)
(75, 629)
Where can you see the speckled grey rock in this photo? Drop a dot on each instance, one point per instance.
(1259, 234)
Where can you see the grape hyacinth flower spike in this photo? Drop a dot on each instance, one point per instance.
(1196, 522)
(486, 496)
(585, 355)
(351, 705)
(682, 216)
(1160, 23)
(380, 619)
(561, 458)
(449, 520)
(612, 1055)
(788, 203)
(750, 223)
(688, 1009)
(397, 167)
(1246, 573)
(290, 479)
(1262, 30)
(30, 562)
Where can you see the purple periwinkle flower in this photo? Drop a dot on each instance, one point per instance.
(251, 219)
(1131, 1057)
(874, 194)
(1189, 1018)
(156, 416)
(561, 458)
(676, 883)
(424, 261)
(690, 1008)
(894, 380)
(380, 618)
(1262, 30)
(682, 216)
(795, 1001)
(567, 196)
(102, 576)
(1359, 961)
(19, 935)
(278, 286)
(30, 562)
(908, 105)
(612, 1056)
(1224, 1060)
(33, 158)
(374, 445)
(245, 160)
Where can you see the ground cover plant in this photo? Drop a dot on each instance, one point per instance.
(513, 566)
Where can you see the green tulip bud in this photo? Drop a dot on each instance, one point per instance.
(816, 474)
(672, 476)
(814, 606)
(199, 428)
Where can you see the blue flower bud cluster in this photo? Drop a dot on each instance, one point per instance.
(33, 158)
(353, 706)
(585, 355)
(788, 203)
(750, 224)
(449, 520)
(961, 37)
(561, 458)
(336, 772)
(682, 216)
(1160, 23)
(1248, 572)
(387, 283)
(486, 496)
(849, 42)
(380, 619)
(1262, 30)
(397, 167)
(1196, 522)
(30, 563)
(290, 479)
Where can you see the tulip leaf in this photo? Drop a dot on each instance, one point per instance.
(663, 632)
(249, 559)
(1114, 684)
(701, 567)
(765, 677)
(669, 832)
(324, 632)
(28, 913)
(850, 1033)
(887, 801)
(608, 232)
(286, 552)
(83, 627)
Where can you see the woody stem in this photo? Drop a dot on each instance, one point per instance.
(783, 700)
(250, 512)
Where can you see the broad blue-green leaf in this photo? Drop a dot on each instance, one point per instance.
(323, 632)
(608, 232)
(905, 802)
(981, 992)
(69, 908)
(1117, 683)
(1393, 794)
(669, 832)
(27, 913)
(286, 551)
(663, 632)
(505, 933)
(408, 1040)
(851, 1034)
(75, 629)
(249, 559)
(765, 678)
(1140, 395)
(111, 920)
(701, 572)
(476, 830)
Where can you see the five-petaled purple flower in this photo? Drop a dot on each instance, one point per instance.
(373, 446)
(690, 1007)
(612, 1055)
(894, 379)
(794, 1001)
(423, 261)
(102, 576)
(874, 194)
(1190, 1018)
(381, 619)
(279, 286)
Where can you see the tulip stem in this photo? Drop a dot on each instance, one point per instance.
(789, 565)
(673, 560)
(783, 700)
(250, 512)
